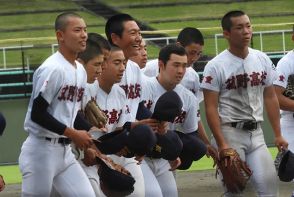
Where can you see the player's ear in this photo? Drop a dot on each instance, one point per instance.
(115, 38)
(226, 34)
(59, 35)
(160, 64)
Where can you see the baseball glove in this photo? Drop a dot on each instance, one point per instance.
(235, 172)
(289, 92)
(95, 115)
(114, 177)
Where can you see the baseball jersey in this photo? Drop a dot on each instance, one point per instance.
(240, 83)
(187, 121)
(191, 79)
(285, 68)
(132, 84)
(114, 105)
(90, 93)
(62, 85)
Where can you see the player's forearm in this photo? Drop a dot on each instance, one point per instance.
(215, 127)
(272, 108)
(202, 133)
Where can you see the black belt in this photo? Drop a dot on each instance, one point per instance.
(62, 140)
(249, 125)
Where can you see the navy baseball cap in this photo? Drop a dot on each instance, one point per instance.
(143, 112)
(168, 107)
(139, 140)
(2, 123)
(286, 169)
(193, 149)
(114, 180)
(168, 146)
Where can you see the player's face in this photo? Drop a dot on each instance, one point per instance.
(173, 72)
(194, 52)
(116, 65)
(240, 33)
(74, 37)
(141, 58)
(94, 68)
(130, 40)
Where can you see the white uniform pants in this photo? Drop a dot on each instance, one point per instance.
(45, 164)
(252, 148)
(159, 181)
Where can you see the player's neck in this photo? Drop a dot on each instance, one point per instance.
(239, 52)
(166, 85)
(69, 55)
(105, 85)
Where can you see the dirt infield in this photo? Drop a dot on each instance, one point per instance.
(190, 184)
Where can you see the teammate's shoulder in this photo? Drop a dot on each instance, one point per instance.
(182, 90)
(151, 63)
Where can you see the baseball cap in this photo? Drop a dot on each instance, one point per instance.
(168, 107)
(169, 146)
(193, 149)
(113, 179)
(139, 140)
(285, 167)
(2, 123)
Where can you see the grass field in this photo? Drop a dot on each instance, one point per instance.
(12, 175)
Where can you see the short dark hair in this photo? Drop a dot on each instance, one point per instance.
(91, 51)
(190, 35)
(100, 40)
(165, 52)
(62, 19)
(115, 24)
(226, 20)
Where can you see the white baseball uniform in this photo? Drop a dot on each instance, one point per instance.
(191, 79)
(240, 84)
(132, 84)
(114, 105)
(285, 68)
(186, 122)
(43, 161)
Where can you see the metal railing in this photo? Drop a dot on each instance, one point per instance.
(261, 35)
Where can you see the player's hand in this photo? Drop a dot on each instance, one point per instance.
(174, 164)
(212, 152)
(2, 183)
(150, 122)
(90, 157)
(281, 143)
(162, 127)
(81, 138)
(139, 158)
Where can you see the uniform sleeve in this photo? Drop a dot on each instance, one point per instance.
(151, 69)
(284, 70)
(210, 80)
(49, 82)
(270, 71)
(192, 117)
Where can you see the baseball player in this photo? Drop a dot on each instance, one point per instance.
(236, 85)
(122, 31)
(192, 40)
(285, 70)
(141, 58)
(46, 159)
(172, 64)
(103, 43)
(285, 80)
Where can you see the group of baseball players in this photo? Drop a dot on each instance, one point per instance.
(114, 73)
